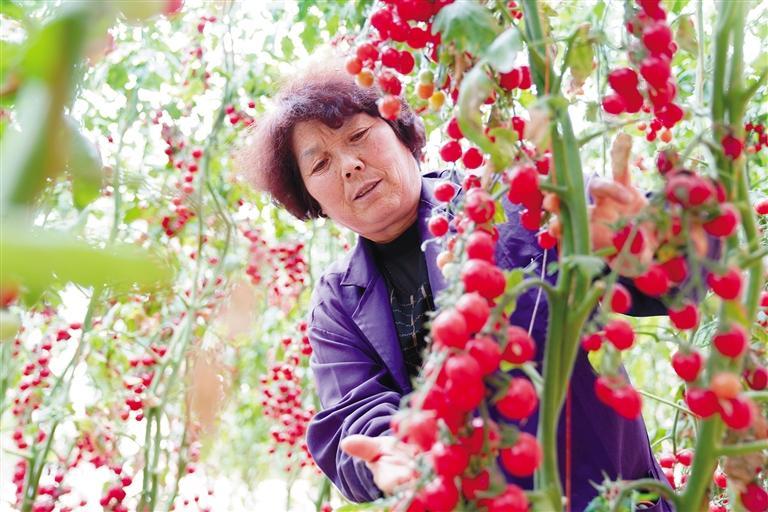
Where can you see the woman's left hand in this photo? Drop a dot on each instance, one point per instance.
(617, 199)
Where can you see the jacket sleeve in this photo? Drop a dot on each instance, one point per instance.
(357, 396)
(643, 305)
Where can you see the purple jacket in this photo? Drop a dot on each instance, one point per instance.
(361, 377)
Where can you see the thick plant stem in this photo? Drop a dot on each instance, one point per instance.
(704, 464)
(548, 475)
(728, 110)
(565, 320)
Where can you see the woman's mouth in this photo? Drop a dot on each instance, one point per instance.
(367, 191)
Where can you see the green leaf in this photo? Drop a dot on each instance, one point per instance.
(332, 25)
(27, 258)
(676, 6)
(592, 265)
(304, 6)
(760, 63)
(310, 36)
(599, 9)
(505, 140)
(353, 507)
(11, 9)
(499, 216)
(685, 35)
(502, 52)
(591, 112)
(475, 88)
(117, 77)
(11, 55)
(84, 163)
(468, 25)
(581, 56)
(22, 153)
(286, 45)
(131, 214)
(52, 52)
(514, 277)
(152, 80)
(30, 156)
(735, 311)
(173, 110)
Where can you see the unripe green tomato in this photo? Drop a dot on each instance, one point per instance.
(451, 270)
(426, 77)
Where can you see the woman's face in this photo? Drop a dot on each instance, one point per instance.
(361, 174)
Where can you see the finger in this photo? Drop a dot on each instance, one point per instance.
(620, 153)
(551, 202)
(389, 476)
(407, 450)
(397, 459)
(363, 447)
(601, 189)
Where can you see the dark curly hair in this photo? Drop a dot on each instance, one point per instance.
(325, 93)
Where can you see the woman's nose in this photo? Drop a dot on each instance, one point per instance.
(352, 165)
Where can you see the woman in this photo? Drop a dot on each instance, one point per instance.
(325, 151)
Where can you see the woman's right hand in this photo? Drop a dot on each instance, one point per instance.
(391, 461)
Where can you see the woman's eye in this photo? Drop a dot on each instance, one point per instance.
(359, 135)
(319, 166)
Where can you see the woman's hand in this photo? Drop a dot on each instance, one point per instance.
(390, 460)
(618, 199)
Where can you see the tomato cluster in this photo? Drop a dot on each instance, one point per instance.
(472, 345)
(400, 21)
(651, 55)
(285, 263)
(284, 401)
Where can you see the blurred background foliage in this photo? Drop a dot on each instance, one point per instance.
(130, 246)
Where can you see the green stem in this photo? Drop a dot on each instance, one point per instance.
(700, 60)
(323, 495)
(565, 320)
(674, 430)
(564, 65)
(610, 127)
(722, 34)
(650, 484)
(145, 470)
(665, 402)
(731, 21)
(752, 89)
(155, 458)
(181, 467)
(547, 477)
(750, 259)
(758, 396)
(36, 471)
(734, 450)
(704, 464)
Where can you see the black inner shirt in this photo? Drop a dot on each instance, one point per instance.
(402, 264)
